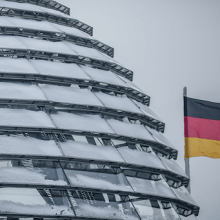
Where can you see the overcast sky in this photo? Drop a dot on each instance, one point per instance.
(168, 44)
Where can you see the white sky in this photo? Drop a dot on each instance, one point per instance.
(168, 44)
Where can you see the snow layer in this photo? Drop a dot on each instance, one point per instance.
(81, 122)
(173, 166)
(104, 212)
(146, 110)
(23, 6)
(122, 103)
(88, 151)
(59, 69)
(141, 158)
(104, 76)
(12, 42)
(160, 138)
(31, 24)
(9, 65)
(48, 46)
(86, 52)
(130, 130)
(23, 117)
(184, 195)
(191, 217)
(26, 176)
(159, 188)
(97, 182)
(71, 95)
(5, 22)
(20, 208)
(20, 91)
(28, 146)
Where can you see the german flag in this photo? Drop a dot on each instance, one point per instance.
(201, 128)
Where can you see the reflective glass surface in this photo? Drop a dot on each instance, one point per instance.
(35, 201)
(102, 205)
(155, 210)
(98, 180)
(27, 171)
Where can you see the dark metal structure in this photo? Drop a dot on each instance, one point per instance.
(77, 137)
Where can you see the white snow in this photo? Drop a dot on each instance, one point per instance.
(86, 52)
(130, 130)
(20, 91)
(26, 176)
(104, 76)
(122, 103)
(71, 95)
(159, 188)
(5, 22)
(105, 212)
(88, 151)
(9, 65)
(81, 122)
(97, 182)
(59, 69)
(47, 46)
(191, 217)
(20, 208)
(173, 166)
(11, 42)
(23, 117)
(141, 158)
(31, 24)
(23, 6)
(28, 146)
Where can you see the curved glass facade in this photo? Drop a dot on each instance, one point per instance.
(77, 137)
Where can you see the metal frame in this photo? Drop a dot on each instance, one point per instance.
(58, 36)
(67, 58)
(40, 16)
(47, 4)
(66, 81)
(141, 196)
(68, 107)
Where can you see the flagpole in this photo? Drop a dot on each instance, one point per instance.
(187, 167)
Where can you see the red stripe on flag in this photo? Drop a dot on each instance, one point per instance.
(202, 128)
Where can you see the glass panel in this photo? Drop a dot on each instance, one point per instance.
(86, 52)
(130, 130)
(146, 110)
(28, 146)
(160, 138)
(141, 158)
(71, 95)
(89, 151)
(159, 187)
(29, 171)
(59, 69)
(20, 91)
(122, 103)
(83, 122)
(98, 180)
(35, 202)
(48, 46)
(190, 217)
(11, 42)
(103, 76)
(30, 24)
(9, 65)
(184, 195)
(173, 166)
(101, 205)
(23, 117)
(154, 210)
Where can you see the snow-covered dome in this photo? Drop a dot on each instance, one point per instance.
(77, 136)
